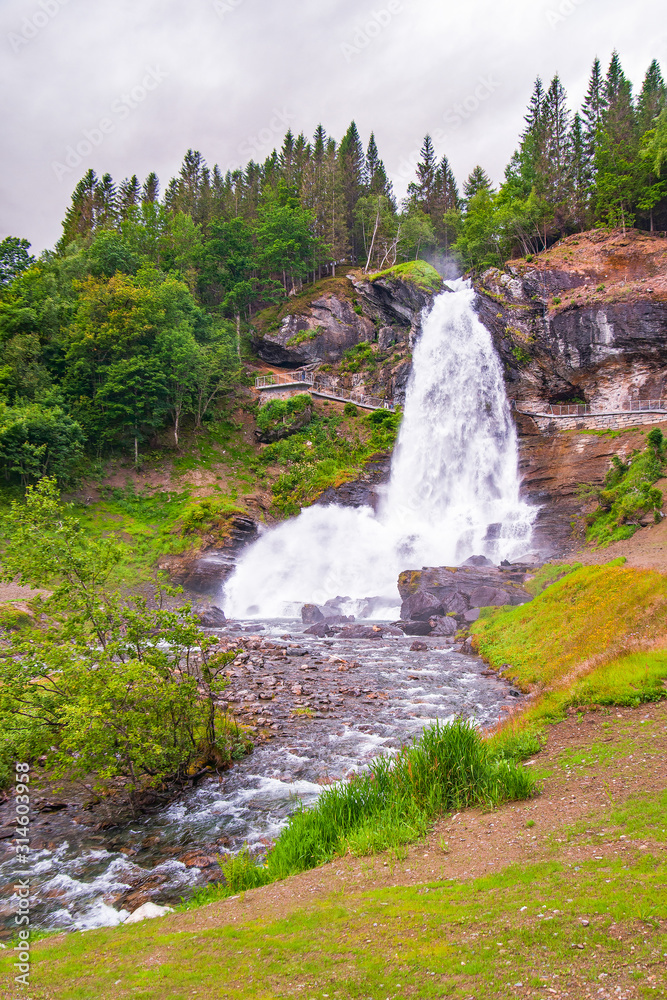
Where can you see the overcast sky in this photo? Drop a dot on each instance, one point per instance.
(132, 84)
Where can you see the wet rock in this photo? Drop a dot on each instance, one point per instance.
(421, 606)
(418, 647)
(478, 561)
(211, 617)
(416, 628)
(361, 632)
(472, 615)
(311, 614)
(433, 592)
(202, 571)
(149, 911)
(321, 629)
(443, 626)
(195, 859)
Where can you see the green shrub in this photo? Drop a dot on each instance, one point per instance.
(628, 493)
(350, 410)
(13, 620)
(281, 410)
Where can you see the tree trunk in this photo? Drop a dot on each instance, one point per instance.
(370, 252)
(177, 415)
(136, 452)
(238, 334)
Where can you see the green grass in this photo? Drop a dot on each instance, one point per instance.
(450, 767)
(594, 610)
(417, 272)
(548, 574)
(443, 939)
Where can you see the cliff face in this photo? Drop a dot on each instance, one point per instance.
(319, 326)
(586, 321)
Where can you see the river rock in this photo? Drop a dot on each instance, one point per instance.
(149, 911)
(211, 618)
(361, 632)
(443, 626)
(415, 628)
(320, 629)
(418, 646)
(421, 606)
(311, 614)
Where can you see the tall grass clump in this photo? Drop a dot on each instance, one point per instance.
(449, 767)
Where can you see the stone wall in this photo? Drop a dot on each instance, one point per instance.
(596, 422)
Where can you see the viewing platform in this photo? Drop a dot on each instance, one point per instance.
(305, 381)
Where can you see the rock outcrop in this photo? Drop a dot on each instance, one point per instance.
(586, 321)
(436, 601)
(204, 570)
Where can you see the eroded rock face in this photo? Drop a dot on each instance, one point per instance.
(586, 321)
(204, 571)
(386, 311)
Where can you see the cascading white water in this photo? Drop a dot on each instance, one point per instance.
(453, 493)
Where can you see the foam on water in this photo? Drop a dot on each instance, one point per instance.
(453, 492)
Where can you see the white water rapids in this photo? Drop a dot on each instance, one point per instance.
(453, 492)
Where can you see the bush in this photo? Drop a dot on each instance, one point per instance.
(628, 493)
(350, 410)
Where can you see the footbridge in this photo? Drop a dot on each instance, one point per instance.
(277, 384)
(631, 413)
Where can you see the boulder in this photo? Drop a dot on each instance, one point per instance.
(418, 647)
(416, 628)
(421, 606)
(211, 617)
(443, 626)
(311, 614)
(472, 615)
(362, 632)
(320, 629)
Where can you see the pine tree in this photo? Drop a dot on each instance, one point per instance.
(552, 170)
(151, 189)
(652, 99)
(352, 164)
(421, 193)
(129, 195)
(579, 175)
(477, 181)
(593, 108)
(105, 202)
(287, 159)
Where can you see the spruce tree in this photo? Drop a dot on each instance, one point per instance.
(652, 99)
(352, 165)
(150, 192)
(421, 193)
(129, 195)
(478, 180)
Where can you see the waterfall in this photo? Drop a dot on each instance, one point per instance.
(453, 492)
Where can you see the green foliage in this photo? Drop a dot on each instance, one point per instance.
(13, 619)
(303, 336)
(417, 272)
(521, 354)
(36, 441)
(108, 687)
(278, 410)
(14, 258)
(360, 356)
(628, 493)
(208, 514)
(320, 456)
(449, 767)
(350, 410)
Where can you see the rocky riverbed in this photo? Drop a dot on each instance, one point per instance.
(319, 708)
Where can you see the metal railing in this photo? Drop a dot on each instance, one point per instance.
(265, 381)
(586, 410)
(327, 391)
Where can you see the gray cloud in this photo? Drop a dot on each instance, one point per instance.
(224, 72)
